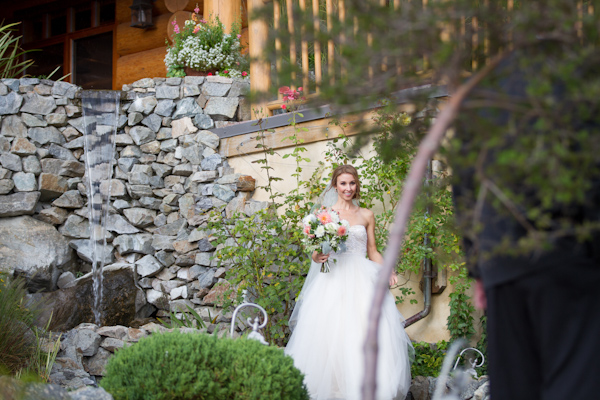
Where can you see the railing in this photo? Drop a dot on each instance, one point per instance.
(319, 61)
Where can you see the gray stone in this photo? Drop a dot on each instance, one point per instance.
(229, 179)
(134, 118)
(180, 305)
(138, 191)
(6, 186)
(22, 147)
(179, 292)
(152, 147)
(204, 245)
(193, 154)
(10, 103)
(207, 279)
(144, 105)
(182, 126)
(184, 169)
(208, 138)
(116, 223)
(166, 286)
(193, 80)
(4, 173)
(121, 204)
(221, 108)
(153, 122)
(24, 182)
(141, 135)
(13, 127)
(16, 204)
(165, 258)
(126, 163)
(157, 299)
(148, 266)
(223, 193)
(143, 83)
(186, 107)
(66, 89)
(211, 89)
(112, 344)
(87, 342)
(123, 139)
(140, 243)
(204, 203)
(161, 242)
(78, 123)
(211, 162)
(69, 199)
(36, 104)
(138, 178)
(117, 188)
(13, 84)
(164, 133)
(46, 135)
(197, 234)
(239, 88)
(84, 251)
(33, 120)
(4, 144)
(172, 228)
(72, 144)
(90, 392)
(165, 108)
(11, 162)
(131, 151)
(51, 186)
(203, 176)
(61, 153)
(72, 110)
(53, 215)
(203, 121)
(76, 227)
(253, 206)
(166, 92)
(56, 119)
(190, 90)
(173, 81)
(140, 217)
(150, 202)
(65, 279)
(161, 170)
(34, 248)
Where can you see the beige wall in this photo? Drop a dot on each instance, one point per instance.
(430, 329)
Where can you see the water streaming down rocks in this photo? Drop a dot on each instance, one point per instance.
(100, 116)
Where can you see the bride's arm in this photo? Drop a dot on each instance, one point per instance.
(372, 251)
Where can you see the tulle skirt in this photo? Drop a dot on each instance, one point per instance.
(329, 328)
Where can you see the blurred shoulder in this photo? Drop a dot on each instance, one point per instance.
(366, 213)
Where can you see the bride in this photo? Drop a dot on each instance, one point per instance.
(329, 321)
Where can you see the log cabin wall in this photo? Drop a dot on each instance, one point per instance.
(140, 53)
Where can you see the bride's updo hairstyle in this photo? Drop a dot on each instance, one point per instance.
(346, 169)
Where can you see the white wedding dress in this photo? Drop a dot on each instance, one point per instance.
(329, 326)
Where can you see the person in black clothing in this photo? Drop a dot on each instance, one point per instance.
(527, 195)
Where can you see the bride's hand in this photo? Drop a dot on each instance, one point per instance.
(320, 257)
(393, 279)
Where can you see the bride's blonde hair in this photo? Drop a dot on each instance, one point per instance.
(346, 169)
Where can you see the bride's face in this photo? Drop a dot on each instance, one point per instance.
(346, 186)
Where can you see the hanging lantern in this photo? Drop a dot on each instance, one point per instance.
(141, 13)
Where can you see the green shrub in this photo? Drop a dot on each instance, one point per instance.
(429, 358)
(198, 366)
(17, 340)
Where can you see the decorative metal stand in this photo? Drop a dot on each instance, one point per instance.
(461, 377)
(255, 334)
(474, 364)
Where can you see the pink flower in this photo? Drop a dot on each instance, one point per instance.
(174, 22)
(307, 229)
(300, 89)
(324, 217)
(176, 29)
(196, 29)
(197, 9)
(239, 36)
(244, 73)
(225, 72)
(311, 236)
(202, 21)
(283, 106)
(209, 74)
(342, 231)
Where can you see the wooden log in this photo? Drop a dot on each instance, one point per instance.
(123, 12)
(133, 40)
(228, 11)
(145, 64)
(176, 5)
(260, 69)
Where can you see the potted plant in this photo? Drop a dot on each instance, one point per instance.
(202, 47)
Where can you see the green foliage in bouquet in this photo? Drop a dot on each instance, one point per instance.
(203, 45)
(197, 366)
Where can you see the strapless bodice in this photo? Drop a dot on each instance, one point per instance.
(356, 243)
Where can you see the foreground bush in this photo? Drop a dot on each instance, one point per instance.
(18, 343)
(198, 366)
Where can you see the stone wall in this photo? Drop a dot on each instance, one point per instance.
(168, 174)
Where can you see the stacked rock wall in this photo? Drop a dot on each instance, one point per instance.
(168, 174)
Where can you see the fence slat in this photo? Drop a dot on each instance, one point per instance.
(317, 46)
(277, 27)
(291, 30)
(330, 44)
(304, 50)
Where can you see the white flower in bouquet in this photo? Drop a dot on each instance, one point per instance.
(320, 231)
(324, 232)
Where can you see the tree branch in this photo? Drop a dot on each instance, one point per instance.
(413, 184)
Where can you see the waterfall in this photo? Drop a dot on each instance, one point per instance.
(100, 116)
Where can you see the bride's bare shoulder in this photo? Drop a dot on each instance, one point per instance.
(366, 213)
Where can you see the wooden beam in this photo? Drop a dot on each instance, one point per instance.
(133, 40)
(228, 11)
(260, 69)
(317, 131)
(145, 64)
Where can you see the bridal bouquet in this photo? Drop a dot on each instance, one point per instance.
(325, 232)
